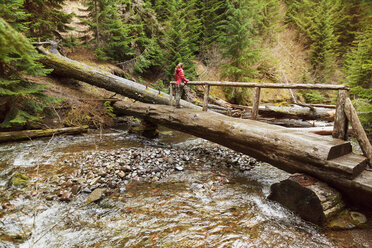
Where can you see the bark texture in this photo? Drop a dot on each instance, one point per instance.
(311, 199)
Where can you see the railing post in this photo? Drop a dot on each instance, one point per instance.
(206, 95)
(358, 130)
(256, 102)
(341, 123)
(171, 94)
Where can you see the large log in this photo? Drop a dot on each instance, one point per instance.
(326, 158)
(31, 134)
(295, 112)
(66, 67)
(298, 112)
(313, 200)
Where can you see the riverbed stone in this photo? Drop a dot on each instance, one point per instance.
(19, 180)
(66, 196)
(96, 195)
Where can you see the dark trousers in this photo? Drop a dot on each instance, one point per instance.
(179, 92)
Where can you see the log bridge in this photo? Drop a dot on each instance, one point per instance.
(329, 159)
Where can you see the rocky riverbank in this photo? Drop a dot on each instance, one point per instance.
(114, 170)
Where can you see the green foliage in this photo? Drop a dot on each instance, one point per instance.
(112, 37)
(239, 39)
(160, 86)
(359, 63)
(237, 95)
(23, 99)
(318, 20)
(46, 20)
(178, 41)
(313, 96)
(109, 109)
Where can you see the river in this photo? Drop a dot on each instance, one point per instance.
(202, 202)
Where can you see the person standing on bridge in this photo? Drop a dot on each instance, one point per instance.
(179, 76)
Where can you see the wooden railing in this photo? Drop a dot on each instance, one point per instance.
(345, 112)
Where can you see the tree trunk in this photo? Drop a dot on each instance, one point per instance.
(297, 112)
(328, 159)
(29, 134)
(66, 67)
(311, 199)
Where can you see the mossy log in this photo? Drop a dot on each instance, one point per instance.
(66, 67)
(325, 158)
(31, 134)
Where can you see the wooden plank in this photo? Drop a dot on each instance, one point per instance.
(270, 85)
(206, 95)
(340, 123)
(28, 134)
(256, 102)
(361, 136)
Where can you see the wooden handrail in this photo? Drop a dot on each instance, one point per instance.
(269, 85)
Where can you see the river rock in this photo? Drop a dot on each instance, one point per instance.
(358, 218)
(66, 196)
(311, 199)
(19, 180)
(75, 189)
(347, 220)
(96, 195)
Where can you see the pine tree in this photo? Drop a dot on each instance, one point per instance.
(359, 65)
(112, 38)
(318, 20)
(238, 44)
(23, 100)
(46, 20)
(239, 39)
(178, 41)
(213, 15)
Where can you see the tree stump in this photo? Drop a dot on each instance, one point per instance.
(311, 199)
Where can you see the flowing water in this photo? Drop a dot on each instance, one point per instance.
(202, 206)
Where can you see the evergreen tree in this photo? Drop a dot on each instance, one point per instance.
(14, 13)
(112, 38)
(22, 100)
(178, 40)
(359, 65)
(238, 40)
(46, 20)
(238, 44)
(213, 16)
(317, 20)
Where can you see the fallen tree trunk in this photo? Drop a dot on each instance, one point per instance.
(30, 134)
(297, 112)
(313, 200)
(327, 159)
(66, 67)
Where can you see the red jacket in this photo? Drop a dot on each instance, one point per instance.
(179, 76)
